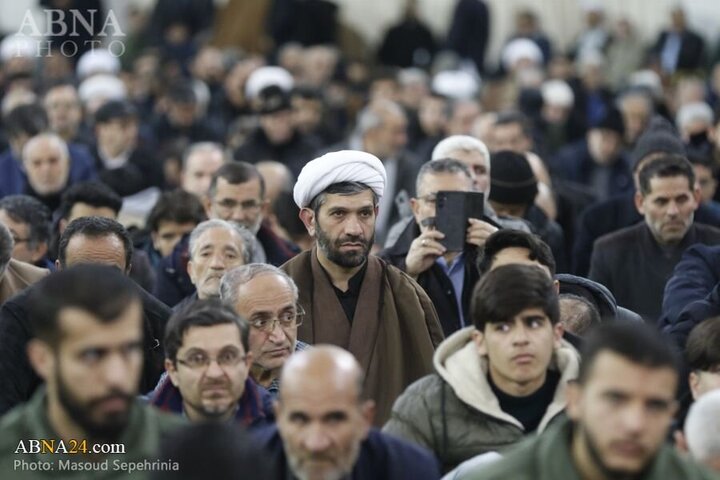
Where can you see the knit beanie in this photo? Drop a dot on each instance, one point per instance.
(659, 137)
(512, 179)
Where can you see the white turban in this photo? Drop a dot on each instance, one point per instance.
(264, 77)
(337, 167)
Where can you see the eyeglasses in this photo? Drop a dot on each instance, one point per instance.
(229, 204)
(431, 198)
(287, 320)
(226, 359)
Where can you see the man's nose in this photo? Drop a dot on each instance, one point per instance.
(316, 440)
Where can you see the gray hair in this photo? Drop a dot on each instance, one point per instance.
(371, 116)
(200, 147)
(6, 248)
(441, 165)
(245, 235)
(463, 143)
(58, 142)
(231, 281)
(702, 427)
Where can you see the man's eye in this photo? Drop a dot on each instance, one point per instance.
(91, 356)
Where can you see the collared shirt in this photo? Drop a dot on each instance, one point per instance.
(456, 273)
(274, 387)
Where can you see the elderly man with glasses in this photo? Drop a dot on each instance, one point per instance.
(268, 298)
(208, 362)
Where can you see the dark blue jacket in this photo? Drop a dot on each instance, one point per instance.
(13, 180)
(381, 457)
(692, 294)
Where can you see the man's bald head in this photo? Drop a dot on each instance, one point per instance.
(320, 417)
(326, 367)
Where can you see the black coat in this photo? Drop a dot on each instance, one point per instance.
(19, 380)
(692, 50)
(434, 281)
(141, 171)
(613, 214)
(635, 268)
(294, 153)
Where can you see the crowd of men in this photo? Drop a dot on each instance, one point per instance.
(252, 269)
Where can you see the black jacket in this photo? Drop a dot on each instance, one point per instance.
(434, 281)
(611, 215)
(632, 265)
(294, 153)
(19, 380)
(141, 171)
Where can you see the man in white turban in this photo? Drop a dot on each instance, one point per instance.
(351, 298)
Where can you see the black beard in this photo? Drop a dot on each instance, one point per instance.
(112, 427)
(600, 464)
(332, 249)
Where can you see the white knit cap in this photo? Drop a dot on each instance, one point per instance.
(456, 84)
(102, 86)
(337, 167)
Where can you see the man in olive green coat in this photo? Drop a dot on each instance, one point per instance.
(619, 413)
(85, 422)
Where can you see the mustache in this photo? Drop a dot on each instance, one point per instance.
(114, 395)
(351, 239)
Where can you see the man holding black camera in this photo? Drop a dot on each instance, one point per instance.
(447, 276)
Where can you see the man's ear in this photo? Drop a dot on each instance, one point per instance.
(265, 208)
(694, 381)
(368, 409)
(154, 239)
(573, 393)
(639, 203)
(558, 331)
(478, 338)
(62, 224)
(172, 371)
(41, 358)
(190, 271)
(308, 218)
(556, 284)
(57, 265)
(207, 203)
(698, 197)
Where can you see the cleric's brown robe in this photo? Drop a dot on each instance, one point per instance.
(394, 331)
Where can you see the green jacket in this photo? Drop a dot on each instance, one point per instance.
(141, 439)
(547, 457)
(454, 412)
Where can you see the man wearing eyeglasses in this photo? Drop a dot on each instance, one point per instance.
(207, 359)
(268, 298)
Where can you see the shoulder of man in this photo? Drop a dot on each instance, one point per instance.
(384, 456)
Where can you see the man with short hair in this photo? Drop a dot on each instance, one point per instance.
(174, 215)
(268, 298)
(447, 277)
(496, 381)
(215, 246)
(21, 124)
(29, 223)
(93, 240)
(64, 111)
(120, 161)
(208, 360)
(667, 199)
(324, 425)
(46, 160)
(88, 347)
(351, 298)
(200, 161)
(703, 357)
(619, 412)
(237, 194)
